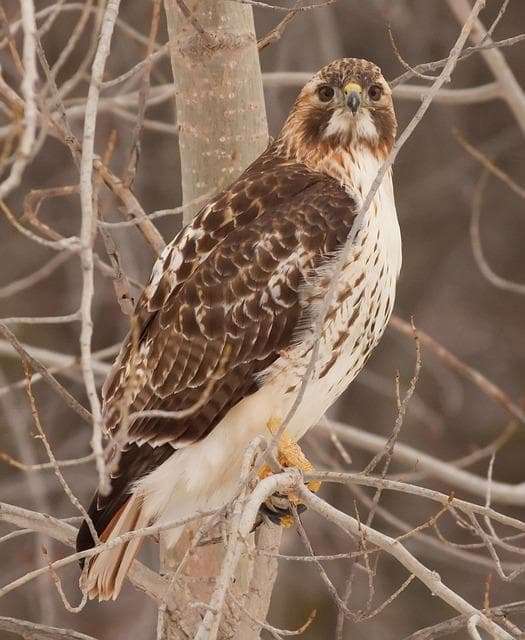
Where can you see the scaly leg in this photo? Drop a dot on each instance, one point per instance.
(289, 454)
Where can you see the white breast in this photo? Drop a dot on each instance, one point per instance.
(360, 310)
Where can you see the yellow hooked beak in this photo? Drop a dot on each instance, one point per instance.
(353, 93)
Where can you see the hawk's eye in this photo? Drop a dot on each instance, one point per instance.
(325, 93)
(375, 92)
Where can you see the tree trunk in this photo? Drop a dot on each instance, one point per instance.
(220, 102)
(222, 128)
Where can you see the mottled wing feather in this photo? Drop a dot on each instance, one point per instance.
(232, 316)
(266, 185)
(224, 302)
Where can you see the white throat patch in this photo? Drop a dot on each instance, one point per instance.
(365, 127)
(342, 121)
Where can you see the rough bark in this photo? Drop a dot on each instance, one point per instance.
(222, 126)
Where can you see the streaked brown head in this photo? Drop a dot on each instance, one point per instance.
(347, 103)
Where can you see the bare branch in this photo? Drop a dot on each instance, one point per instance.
(63, 483)
(474, 95)
(430, 579)
(477, 248)
(469, 51)
(27, 140)
(34, 631)
(512, 93)
(17, 286)
(452, 361)
(502, 492)
(88, 232)
(277, 32)
(37, 366)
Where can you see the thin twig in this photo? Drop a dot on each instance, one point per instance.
(43, 272)
(42, 436)
(477, 248)
(512, 92)
(88, 232)
(37, 366)
(467, 371)
(429, 578)
(277, 32)
(30, 77)
(34, 631)
(129, 171)
(469, 51)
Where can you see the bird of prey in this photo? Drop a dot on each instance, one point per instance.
(224, 331)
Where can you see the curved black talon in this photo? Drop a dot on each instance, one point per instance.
(277, 508)
(275, 514)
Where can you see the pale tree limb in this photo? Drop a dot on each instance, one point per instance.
(158, 591)
(72, 244)
(469, 508)
(55, 358)
(143, 578)
(477, 248)
(60, 476)
(470, 373)
(511, 91)
(60, 127)
(502, 492)
(453, 97)
(34, 631)
(430, 579)
(475, 236)
(435, 549)
(467, 52)
(45, 466)
(454, 625)
(43, 272)
(16, 424)
(29, 80)
(88, 232)
(37, 366)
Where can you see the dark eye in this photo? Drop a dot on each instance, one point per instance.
(375, 92)
(326, 93)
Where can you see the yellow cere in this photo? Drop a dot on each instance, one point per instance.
(352, 86)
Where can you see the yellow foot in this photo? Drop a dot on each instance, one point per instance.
(287, 521)
(264, 472)
(290, 454)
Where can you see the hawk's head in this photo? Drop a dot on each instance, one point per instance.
(346, 104)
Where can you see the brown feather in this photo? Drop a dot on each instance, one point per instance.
(227, 298)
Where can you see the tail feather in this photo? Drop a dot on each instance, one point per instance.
(107, 570)
(120, 511)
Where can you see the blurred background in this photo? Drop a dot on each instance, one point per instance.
(441, 286)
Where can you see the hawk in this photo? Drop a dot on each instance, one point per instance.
(224, 330)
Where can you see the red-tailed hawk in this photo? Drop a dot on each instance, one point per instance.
(229, 313)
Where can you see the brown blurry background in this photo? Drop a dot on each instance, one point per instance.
(440, 285)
